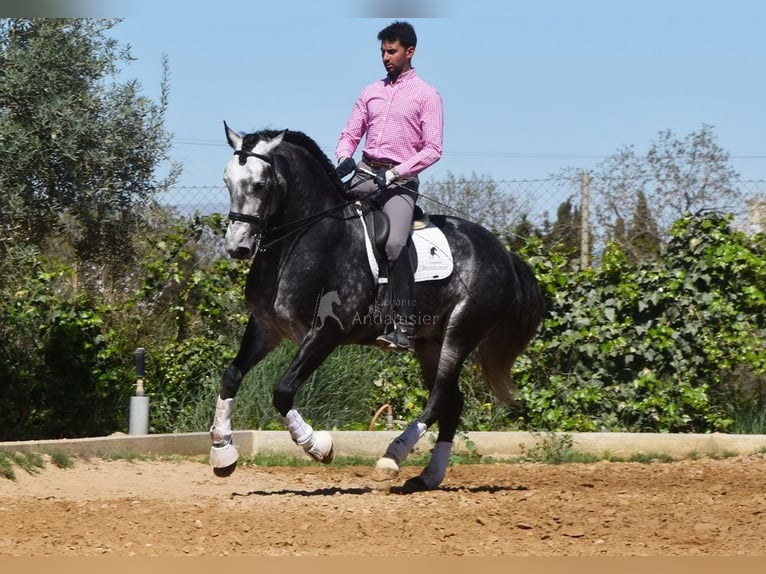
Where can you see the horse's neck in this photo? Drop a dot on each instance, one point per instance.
(311, 193)
(320, 211)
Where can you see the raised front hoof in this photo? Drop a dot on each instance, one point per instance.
(323, 449)
(385, 469)
(223, 472)
(223, 459)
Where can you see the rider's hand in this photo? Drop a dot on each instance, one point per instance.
(345, 166)
(384, 177)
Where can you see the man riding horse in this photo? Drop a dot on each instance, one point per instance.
(401, 116)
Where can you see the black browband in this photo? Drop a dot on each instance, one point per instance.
(243, 155)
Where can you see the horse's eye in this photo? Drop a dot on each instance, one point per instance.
(258, 186)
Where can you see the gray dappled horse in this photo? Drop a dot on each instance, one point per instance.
(290, 213)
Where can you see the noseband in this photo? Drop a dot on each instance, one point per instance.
(245, 217)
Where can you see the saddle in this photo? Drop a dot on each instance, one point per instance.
(427, 247)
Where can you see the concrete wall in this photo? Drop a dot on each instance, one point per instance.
(373, 443)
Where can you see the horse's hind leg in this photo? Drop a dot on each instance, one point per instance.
(399, 449)
(449, 418)
(254, 346)
(441, 371)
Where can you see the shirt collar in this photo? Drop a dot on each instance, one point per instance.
(402, 77)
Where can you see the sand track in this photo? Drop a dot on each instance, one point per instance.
(153, 508)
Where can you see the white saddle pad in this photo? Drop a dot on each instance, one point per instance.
(434, 254)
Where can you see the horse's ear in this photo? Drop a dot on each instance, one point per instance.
(274, 142)
(234, 139)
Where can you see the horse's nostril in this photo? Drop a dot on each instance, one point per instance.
(240, 253)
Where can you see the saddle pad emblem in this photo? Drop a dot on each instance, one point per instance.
(434, 254)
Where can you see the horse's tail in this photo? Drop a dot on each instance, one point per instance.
(501, 346)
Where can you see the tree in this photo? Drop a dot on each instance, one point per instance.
(78, 155)
(642, 242)
(676, 177)
(565, 231)
(476, 199)
(78, 150)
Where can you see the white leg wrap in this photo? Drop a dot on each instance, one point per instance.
(223, 452)
(318, 445)
(300, 431)
(433, 474)
(401, 447)
(220, 432)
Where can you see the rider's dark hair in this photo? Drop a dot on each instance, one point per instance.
(402, 31)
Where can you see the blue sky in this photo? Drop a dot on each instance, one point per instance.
(528, 87)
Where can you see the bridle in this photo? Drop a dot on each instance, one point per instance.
(260, 222)
(246, 217)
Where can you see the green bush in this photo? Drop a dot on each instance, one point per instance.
(649, 347)
(678, 344)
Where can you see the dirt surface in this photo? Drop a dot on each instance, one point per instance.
(707, 507)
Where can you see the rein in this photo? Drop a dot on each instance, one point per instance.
(303, 223)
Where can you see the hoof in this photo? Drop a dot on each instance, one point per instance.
(223, 459)
(385, 469)
(416, 484)
(225, 471)
(323, 449)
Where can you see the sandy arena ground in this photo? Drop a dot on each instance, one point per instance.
(155, 508)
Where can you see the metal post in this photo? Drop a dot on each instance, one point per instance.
(584, 221)
(139, 404)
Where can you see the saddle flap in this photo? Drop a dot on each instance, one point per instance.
(429, 250)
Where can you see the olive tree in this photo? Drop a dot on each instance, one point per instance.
(79, 150)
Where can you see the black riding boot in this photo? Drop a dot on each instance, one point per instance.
(401, 283)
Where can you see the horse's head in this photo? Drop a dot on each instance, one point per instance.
(253, 186)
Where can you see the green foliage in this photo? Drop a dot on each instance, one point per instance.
(553, 448)
(32, 462)
(91, 268)
(61, 459)
(78, 151)
(6, 467)
(52, 341)
(653, 346)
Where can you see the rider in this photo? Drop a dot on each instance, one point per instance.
(401, 119)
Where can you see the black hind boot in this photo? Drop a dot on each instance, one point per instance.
(402, 291)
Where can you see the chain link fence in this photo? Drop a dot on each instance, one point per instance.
(537, 200)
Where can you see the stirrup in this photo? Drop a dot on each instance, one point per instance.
(398, 338)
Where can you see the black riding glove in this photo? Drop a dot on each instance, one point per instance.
(345, 167)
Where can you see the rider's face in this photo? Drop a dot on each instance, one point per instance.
(396, 58)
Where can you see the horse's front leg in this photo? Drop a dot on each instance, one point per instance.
(256, 344)
(313, 351)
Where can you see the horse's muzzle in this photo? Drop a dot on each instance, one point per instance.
(240, 240)
(240, 253)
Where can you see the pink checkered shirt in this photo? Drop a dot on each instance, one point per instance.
(403, 122)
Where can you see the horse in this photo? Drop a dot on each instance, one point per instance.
(290, 212)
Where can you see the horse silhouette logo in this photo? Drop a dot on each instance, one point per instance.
(324, 309)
